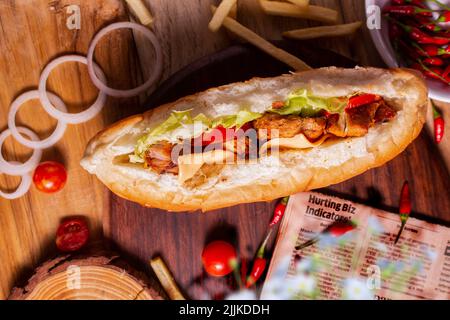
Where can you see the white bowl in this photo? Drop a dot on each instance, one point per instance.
(437, 90)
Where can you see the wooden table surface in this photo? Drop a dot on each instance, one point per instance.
(33, 32)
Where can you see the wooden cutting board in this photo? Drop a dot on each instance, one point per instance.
(33, 32)
(180, 237)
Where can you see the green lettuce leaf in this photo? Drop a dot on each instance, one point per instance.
(180, 125)
(305, 104)
(238, 120)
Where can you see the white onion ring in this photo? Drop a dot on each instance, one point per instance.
(72, 118)
(29, 165)
(42, 144)
(132, 92)
(23, 187)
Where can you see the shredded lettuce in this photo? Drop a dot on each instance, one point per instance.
(305, 104)
(181, 125)
(237, 120)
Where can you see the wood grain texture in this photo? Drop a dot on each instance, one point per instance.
(31, 34)
(95, 277)
(33, 31)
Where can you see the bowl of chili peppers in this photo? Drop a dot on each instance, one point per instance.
(415, 34)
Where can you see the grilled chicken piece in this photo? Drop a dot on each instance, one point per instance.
(313, 128)
(287, 126)
(336, 125)
(360, 119)
(158, 157)
(384, 112)
(356, 122)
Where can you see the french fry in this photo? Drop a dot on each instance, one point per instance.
(310, 12)
(323, 31)
(233, 12)
(300, 3)
(166, 279)
(223, 10)
(259, 42)
(140, 11)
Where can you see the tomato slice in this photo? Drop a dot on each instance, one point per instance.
(361, 100)
(216, 135)
(220, 134)
(50, 176)
(72, 235)
(217, 258)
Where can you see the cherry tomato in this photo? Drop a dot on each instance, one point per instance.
(72, 235)
(217, 257)
(50, 176)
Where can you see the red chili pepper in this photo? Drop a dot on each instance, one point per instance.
(408, 10)
(259, 264)
(361, 100)
(444, 17)
(340, 228)
(436, 73)
(336, 229)
(404, 208)
(424, 23)
(420, 50)
(405, 202)
(446, 73)
(433, 61)
(432, 27)
(433, 50)
(421, 37)
(439, 124)
(431, 72)
(279, 211)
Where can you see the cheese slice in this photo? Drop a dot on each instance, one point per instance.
(297, 142)
(190, 164)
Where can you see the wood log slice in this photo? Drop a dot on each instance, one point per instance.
(86, 278)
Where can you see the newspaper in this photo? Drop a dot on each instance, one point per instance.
(364, 263)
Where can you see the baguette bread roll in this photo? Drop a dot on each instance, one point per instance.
(271, 177)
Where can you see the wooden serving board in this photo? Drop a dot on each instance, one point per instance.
(32, 33)
(179, 237)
